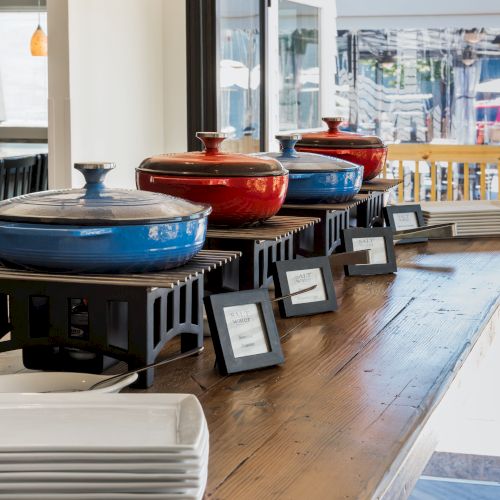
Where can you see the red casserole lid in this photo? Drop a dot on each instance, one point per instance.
(335, 138)
(212, 162)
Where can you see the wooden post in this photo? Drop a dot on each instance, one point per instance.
(449, 187)
(466, 182)
(433, 181)
(401, 188)
(416, 182)
(482, 181)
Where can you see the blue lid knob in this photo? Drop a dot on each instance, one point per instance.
(287, 143)
(94, 174)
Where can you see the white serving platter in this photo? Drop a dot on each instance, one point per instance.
(184, 469)
(188, 495)
(88, 422)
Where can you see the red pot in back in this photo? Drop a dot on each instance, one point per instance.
(366, 150)
(241, 189)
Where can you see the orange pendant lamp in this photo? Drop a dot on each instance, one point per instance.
(38, 44)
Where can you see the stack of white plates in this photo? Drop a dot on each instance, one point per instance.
(473, 218)
(86, 446)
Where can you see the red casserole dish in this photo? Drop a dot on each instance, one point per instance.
(366, 150)
(241, 189)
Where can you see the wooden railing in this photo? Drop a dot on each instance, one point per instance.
(444, 172)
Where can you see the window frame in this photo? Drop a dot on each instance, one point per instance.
(10, 133)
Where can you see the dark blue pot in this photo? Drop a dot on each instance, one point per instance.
(110, 249)
(317, 178)
(99, 230)
(331, 187)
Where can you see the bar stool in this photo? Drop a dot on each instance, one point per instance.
(15, 176)
(39, 174)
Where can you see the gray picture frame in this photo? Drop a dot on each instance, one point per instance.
(391, 210)
(227, 362)
(286, 306)
(348, 235)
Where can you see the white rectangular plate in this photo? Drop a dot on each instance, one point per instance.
(189, 495)
(139, 423)
(96, 487)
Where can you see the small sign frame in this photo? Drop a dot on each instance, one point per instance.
(402, 217)
(379, 240)
(243, 330)
(291, 276)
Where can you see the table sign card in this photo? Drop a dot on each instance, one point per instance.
(379, 241)
(305, 278)
(243, 330)
(375, 245)
(292, 276)
(405, 220)
(246, 330)
(403, 217)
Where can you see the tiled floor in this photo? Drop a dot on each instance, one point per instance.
(430, 488)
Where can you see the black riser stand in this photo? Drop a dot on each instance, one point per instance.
(254, 268)
(370, 213)
(128, 323)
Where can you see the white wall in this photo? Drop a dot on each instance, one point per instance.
(175, 76)
(59, 133)
(393, 14)
(126, 89)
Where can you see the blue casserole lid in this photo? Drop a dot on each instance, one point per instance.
(96, 205)
(299, 162)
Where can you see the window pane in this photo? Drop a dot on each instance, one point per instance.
(421, 85)
(23, 78)
(239, 74)
(299, 66)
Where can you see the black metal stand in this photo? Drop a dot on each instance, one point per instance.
(127, 317)
(322, 238)
(260, 246)
(325, 237)
(364, 210)
(370, 213)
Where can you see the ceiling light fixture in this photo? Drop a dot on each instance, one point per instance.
(38, 43)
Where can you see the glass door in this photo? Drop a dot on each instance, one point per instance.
(239, 89)
(301, 59)
(259, 67)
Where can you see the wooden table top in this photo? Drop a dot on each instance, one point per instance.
(357, 386)
(10, 149)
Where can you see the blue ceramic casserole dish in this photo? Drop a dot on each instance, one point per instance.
(100, 230)
(317, 178)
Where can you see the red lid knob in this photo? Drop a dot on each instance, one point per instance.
(211, 141)
(333, 122)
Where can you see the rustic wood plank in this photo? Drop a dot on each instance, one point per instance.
(358, 385)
